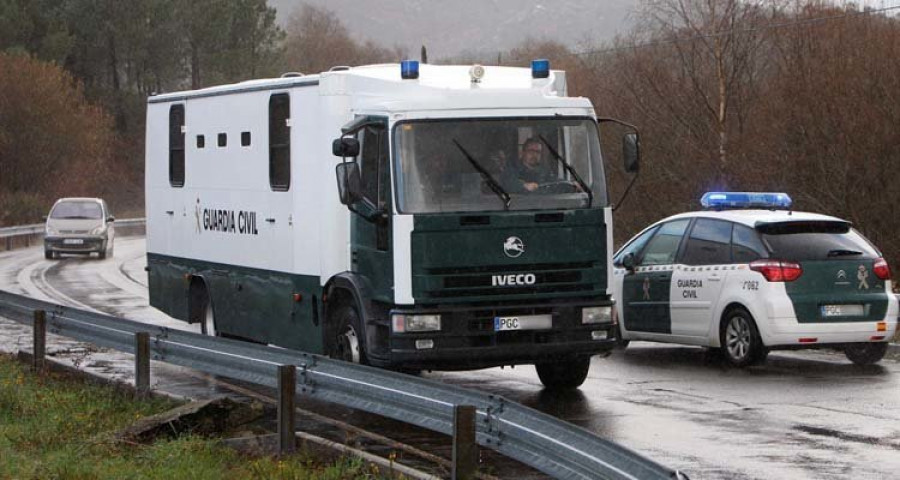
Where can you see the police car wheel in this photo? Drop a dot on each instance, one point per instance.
(564, 374)
(348, 345)
(741, 344)
(865, 353)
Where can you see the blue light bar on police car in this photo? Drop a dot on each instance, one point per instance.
(540, 68)
(737, 200)
(409, 69)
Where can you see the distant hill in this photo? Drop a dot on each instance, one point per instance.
(455, 27)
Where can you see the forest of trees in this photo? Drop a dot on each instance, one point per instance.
(801, 96)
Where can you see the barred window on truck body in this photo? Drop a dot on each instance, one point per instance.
(280, 142)
(176, 145)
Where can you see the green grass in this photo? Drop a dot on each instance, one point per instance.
(57, 427)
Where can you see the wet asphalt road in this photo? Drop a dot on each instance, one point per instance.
(801, 415)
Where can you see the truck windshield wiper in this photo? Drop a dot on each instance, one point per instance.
(841, 253)
(495, 187)
(571, 171)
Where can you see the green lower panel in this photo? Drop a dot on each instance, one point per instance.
(252, 303)
(838, 282)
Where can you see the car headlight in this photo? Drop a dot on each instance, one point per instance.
(99, 230)
(415, 323)
(594, 315)
(51, 231)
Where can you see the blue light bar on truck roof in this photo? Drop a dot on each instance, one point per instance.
(540, 68)
(409, 69)
(739, 200)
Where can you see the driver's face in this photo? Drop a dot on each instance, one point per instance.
(531, 154)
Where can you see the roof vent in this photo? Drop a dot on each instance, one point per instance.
(291, 74)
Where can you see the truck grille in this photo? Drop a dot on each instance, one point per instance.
(480, 281)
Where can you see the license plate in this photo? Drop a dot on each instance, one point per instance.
(73, 241)
(842, 310)
(525, 322)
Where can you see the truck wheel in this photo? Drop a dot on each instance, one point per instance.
(741, 344)
(208, 316)
(48, 254)
(101, 254)
(349, 343)
(564, 375)
(865, 353)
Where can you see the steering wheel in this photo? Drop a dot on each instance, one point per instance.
(560, 186)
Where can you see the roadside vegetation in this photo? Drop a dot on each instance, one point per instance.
(52, 426)
(773, 95)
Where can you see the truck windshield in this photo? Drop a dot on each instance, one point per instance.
(457, 165)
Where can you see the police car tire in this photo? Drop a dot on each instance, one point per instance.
(565, 374)
(865, 353)
(755, 352)
(348, 333)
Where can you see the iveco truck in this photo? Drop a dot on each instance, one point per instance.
(406, 216)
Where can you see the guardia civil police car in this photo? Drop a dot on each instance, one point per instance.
(747, 275)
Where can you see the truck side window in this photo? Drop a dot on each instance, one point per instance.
(369, 159)
(709, 243)
(280, 142)
(176, 145)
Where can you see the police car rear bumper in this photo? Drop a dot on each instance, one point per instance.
(788, 332)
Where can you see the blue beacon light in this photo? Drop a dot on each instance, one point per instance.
(540, 68)
(409, 69)
(738, 200)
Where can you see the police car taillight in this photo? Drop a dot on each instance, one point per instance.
(882, 269)
(777, 271)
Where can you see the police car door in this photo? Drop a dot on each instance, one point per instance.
(698, 278)
(646, 291)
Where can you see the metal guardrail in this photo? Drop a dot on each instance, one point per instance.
(545, 443)
(35, 232)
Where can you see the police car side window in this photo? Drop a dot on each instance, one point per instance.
(634, 247)
(746, 245)
(663, 246)
(709, 243)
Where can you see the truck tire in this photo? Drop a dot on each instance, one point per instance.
(740, 340)
(48, 254)
(564, 375)
(349, 342)
(867, 353)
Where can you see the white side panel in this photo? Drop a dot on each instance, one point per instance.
(403, 227)
(156, 180)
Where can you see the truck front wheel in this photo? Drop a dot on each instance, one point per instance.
(348, 344)
(564, 375)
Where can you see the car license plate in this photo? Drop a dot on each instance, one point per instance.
(525, 322)
(842, 310)
(73, 241)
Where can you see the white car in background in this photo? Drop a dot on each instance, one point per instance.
(79, 226)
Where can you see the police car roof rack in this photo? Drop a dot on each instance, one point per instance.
(745, 201)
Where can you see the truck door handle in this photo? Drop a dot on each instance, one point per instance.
(170, 212)
(270, 220)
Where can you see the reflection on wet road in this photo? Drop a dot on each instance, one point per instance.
(801, 415)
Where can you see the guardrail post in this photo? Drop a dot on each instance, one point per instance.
(142, 364)
(287, 387)
(40, 340)
(465, 450)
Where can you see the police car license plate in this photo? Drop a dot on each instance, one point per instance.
(73, 241)
(842, 310)
(525, 322)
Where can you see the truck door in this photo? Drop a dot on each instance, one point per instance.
(699, 276)
(371, 239)
(646, 291)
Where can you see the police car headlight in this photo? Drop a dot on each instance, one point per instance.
(593, 315)
(98, 231)
(416, 323)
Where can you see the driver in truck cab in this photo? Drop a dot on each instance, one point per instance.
(530, 171)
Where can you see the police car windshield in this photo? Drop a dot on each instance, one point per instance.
(77, 210)
(802, 241)
(434, 175)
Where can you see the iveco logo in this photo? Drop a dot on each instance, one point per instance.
(513, 247)
(508, 280)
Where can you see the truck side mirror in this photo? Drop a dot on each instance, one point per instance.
(345, 147)
(628, 261)
(348, 179)
(631, 152)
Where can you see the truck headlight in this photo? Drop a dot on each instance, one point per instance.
(594, 315)
(416, 323)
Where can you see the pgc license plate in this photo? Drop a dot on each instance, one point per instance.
(525, 322)
(73, 241)
(842, 311)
